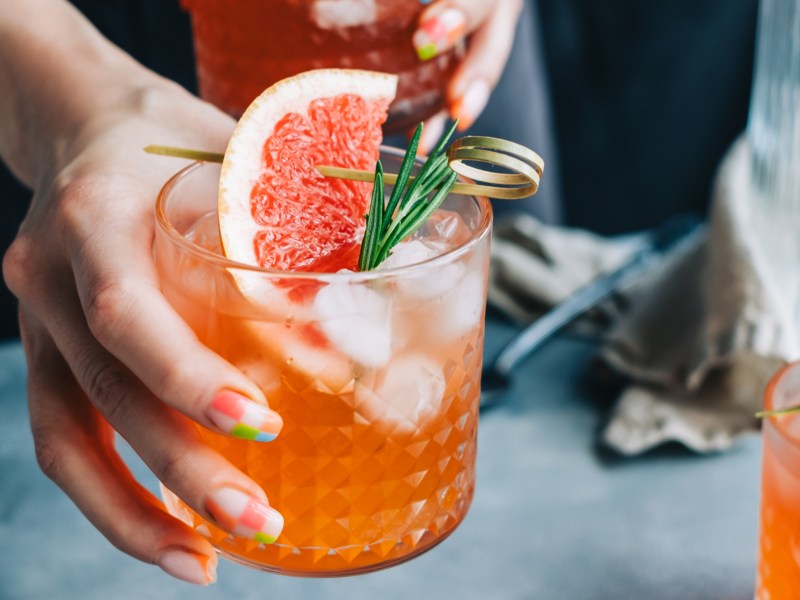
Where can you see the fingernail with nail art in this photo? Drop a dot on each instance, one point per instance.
(439, 32)
(244, 515)
(432, 132)
(240, 417)
(189, 566)
(467, 108)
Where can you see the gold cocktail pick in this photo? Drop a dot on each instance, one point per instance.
(525, 166)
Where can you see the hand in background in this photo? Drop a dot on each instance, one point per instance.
(488, 26)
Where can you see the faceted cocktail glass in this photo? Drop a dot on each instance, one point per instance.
(376, 460)
(778, 575)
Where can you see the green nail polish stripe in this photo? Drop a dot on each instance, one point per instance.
(263, 538)
(244, 431)
(427, 51)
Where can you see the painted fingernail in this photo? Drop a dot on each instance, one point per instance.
(240, 417)
(431, 133)
(244, 515)
(467, 108)
(189, 566)
(439, 32)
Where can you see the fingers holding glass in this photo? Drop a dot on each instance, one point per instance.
(169, 445)
(120, 309)
(166, 440)
(441, 26)
(489, 27)
(487, 54)
(75, 448)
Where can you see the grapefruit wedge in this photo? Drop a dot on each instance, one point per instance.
(278, 212)
(275, 209)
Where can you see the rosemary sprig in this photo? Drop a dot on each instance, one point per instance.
(413, 200)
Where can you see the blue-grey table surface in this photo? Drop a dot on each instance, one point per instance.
(552, 516)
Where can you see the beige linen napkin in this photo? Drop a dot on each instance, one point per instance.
(697, 337)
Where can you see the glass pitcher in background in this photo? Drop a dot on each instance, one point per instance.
(773, 135)
(774, 140)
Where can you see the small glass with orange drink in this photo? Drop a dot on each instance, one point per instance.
(778, 576)
(376, 460)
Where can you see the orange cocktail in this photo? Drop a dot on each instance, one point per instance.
(779, 546)
(244, 46)
(376, 460)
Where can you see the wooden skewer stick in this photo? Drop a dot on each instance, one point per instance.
(527, 167)
(469, 189)
(188, 153)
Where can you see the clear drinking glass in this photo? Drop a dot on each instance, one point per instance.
(376, 460)
(779, 543)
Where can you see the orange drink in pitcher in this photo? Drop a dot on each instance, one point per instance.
(243, 46)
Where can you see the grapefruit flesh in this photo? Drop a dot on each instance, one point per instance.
(276, 210)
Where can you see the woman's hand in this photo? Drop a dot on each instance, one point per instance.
(489, 27)
(105, 350)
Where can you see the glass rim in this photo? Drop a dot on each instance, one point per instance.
(776, 422)
(163, 222)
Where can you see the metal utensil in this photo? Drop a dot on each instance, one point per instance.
(496, 375)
